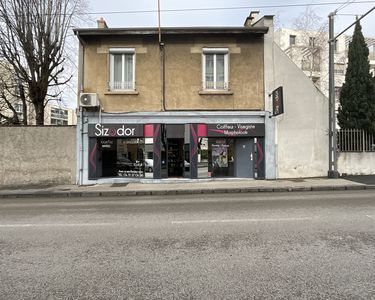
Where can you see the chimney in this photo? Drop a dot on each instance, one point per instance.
(252, 18)
(101, 23)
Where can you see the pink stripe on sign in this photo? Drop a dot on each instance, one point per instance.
(202, 130)
(148, 130)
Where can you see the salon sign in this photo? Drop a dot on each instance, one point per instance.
(115, 130)
(235, 130)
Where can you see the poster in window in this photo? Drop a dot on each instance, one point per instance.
(220, 154)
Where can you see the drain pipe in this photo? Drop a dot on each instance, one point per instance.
(81, 147)
(162, 61)
(81, 64)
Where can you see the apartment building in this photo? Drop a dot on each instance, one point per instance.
(191, 102)
(55, 114)
(309, 51)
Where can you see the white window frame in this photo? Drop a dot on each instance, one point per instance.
(215, 51)
(122, 51)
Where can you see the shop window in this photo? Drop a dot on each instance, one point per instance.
(215, 69)
(122, 69)
(220, 157)
(122, 157)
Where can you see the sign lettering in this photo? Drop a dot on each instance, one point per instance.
(235, 130)
(115, 130)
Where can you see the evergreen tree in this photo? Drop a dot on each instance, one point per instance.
(357, 97)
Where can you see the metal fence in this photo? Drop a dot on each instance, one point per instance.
(355, 140)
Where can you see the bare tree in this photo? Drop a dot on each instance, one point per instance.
(314, 40)
(32, 40)
(13, 99)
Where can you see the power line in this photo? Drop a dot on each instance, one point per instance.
(344, 5)
(225, 8)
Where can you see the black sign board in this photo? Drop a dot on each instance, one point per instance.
(235, 130)
(278, 101)
(116, 130)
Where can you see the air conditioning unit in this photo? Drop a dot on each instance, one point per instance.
(89, 100)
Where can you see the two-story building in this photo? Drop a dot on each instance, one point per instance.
(178, 103)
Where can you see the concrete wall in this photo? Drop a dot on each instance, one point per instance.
(356, 163)
(37, 155)
(183, 73)
(302, 141)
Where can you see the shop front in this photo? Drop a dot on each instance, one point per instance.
(159, 150)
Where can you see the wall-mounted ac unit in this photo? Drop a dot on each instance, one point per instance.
(89, 100)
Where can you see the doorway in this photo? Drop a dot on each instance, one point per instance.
(175, 157)
(244, 157)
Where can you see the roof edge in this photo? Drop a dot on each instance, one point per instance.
(169, 31)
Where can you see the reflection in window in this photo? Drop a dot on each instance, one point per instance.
(203, 157)
(122, 157)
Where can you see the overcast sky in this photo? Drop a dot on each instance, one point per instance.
(120, 14)
(230, 17)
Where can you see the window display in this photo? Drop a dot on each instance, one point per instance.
(220, 157)
(122, 157)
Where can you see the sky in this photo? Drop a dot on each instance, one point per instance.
(205, 13)
(230, 17)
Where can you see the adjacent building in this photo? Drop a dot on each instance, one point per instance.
(194, 103)
(55, 114)
(309, 51)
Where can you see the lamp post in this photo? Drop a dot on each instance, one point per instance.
(332, 144)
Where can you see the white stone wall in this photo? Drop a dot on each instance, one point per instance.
(301, 132)
(356, 163)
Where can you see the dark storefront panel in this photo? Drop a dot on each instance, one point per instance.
(235, 130)
(161, 151)
(116, 157)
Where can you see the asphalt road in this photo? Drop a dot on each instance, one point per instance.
(226, 246)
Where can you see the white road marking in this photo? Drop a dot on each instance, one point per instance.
(241, 220)
(371, 217)
(55, 225)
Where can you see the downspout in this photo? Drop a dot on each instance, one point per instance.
(81, 89)
(162, 61)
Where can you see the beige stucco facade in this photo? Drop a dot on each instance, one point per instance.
(183, 73)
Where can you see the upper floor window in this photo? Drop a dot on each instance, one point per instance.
(122, 69)
(215, 69)
(312, 41)
(18, 108)
(336, 46)
(292, 40)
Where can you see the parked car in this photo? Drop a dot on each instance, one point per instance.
(125, 164)
(149, 165)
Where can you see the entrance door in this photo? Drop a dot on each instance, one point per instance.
(175, 157)
(244, 157)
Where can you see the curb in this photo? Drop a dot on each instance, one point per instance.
(87, 194)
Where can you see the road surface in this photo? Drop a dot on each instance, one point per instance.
(311, 245)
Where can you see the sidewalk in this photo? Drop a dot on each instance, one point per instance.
(188, 187)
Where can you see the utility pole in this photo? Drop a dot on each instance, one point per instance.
(332, 167)
(332, 145)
